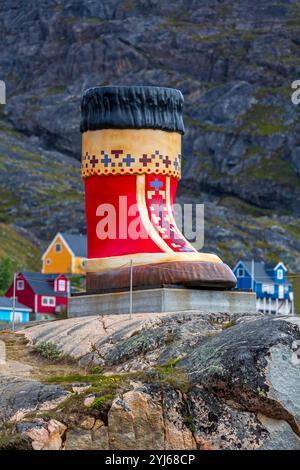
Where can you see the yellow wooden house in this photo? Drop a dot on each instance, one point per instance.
(65, 254)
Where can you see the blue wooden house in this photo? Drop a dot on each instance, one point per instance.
(274, 293)
(22, 313)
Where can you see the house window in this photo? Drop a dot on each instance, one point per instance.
(16, 317)
(48, 301)
(240, 272)
(58, 247)
(61, 285)
(280, 274)
(281, 292)
(20, 285)
(268, 289)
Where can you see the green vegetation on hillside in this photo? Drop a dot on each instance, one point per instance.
(263, 120)
(6, 273)
(34, 188)
(274, 167)
(24, 254)
(295, 280)
(46, 183)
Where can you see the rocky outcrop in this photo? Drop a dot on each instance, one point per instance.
(253, 364)
(43, 435)
(95, 439)
(158, 417)
(149, 418)
(188, 381)
(247, 381)
(19, 397)
(116, 341)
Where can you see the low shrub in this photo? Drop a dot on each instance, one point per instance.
(102, 403)
(48, 350)
(96, 369)
(189, 424)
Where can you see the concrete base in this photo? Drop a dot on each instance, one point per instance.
(163, 300)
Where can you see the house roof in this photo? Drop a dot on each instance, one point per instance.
(260, 273)
(7, 302)
(77, 243)
(40, 283)
(273, 267)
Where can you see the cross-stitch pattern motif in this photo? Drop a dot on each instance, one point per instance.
(159, 214)
(116, 162)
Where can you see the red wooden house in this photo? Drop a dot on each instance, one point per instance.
(45, 294)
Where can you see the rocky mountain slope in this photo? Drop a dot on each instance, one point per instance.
(188, 380)
(233, 61)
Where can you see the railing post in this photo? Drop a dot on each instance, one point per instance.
(14, 302)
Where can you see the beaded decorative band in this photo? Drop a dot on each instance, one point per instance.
(118, 162)
(131, 151)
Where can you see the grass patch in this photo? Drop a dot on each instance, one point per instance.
(25, 254)
(14, 441)
(293, 229)
(10, 131)
(8, 201)
(168, 367)
(108, 385)
(210, 334)
(296, 289)
(224, 250)
(72, 405)
(76, 377)
(293, 23)
(174, 376)
(272, 257)
(221, 36)
(105, 388)
(229, 324)
(274, 167)
(55, 90)
(261, 244)
(179, 24)
(24, 153)
(96, 369)
(244, 207)
(189, 424)
(203, 125)
(263, 120)
(104, 384)
(170, 337)
(102, 403)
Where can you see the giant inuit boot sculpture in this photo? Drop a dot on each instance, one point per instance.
(131, 164)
